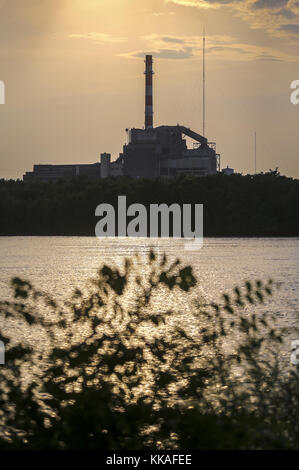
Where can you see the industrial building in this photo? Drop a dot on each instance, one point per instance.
(151, 152)
(103, 169)
(228, 171)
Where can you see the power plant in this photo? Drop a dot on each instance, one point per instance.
(151, 152)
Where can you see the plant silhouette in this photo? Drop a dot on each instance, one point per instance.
(108, 370)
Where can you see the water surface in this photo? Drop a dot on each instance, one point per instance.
(59, 264)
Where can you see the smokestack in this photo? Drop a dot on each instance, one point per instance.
(149, 92)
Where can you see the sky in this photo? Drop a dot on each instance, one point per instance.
(74, 78)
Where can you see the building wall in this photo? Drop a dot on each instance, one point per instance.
(163, 152)
(200, 166)
(228, 171)
(140, 162)
(63, 172)
(105, 164)
(116, 169)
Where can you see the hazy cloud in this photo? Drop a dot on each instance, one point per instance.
(270, 15)
(100, 38)
(160, 13)
(285, 12)
(265, 57)
(205, 3)
(175, 54)
(219, 47)
(270, 3)
(291, 28)
(172, 39)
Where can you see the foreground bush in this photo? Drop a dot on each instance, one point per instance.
(107, 370)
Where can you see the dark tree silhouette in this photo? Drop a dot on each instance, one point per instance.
(261, 205)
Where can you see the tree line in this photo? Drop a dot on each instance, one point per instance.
(262, 205)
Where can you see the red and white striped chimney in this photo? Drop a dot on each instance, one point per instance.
(149, 92)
